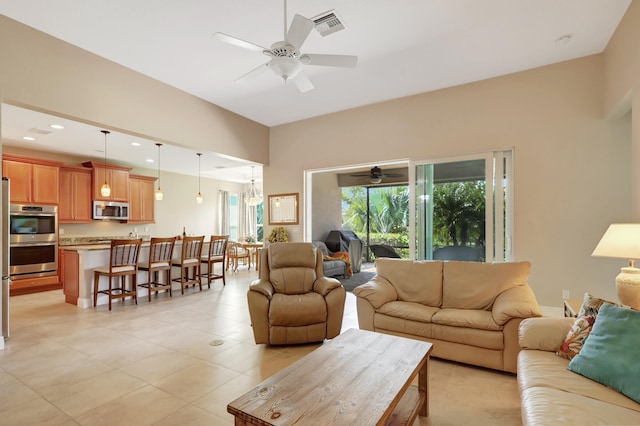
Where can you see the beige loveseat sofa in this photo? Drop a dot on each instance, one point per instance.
(470, 311)
(553, 395)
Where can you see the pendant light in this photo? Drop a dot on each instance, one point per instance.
(199, 196)
(105, 190)
(253, 198)
(159, 194)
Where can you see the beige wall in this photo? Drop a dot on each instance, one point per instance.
(572, 174)
(622, 87)
(327, 205)
(46, 74)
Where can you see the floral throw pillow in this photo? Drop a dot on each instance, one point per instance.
(582, 326)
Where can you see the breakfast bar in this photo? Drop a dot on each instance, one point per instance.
(79, 263)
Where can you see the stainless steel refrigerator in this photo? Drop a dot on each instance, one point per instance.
(6, 282)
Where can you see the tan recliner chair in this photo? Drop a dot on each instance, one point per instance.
(292, 301)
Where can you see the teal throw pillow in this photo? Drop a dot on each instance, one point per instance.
(611, 353)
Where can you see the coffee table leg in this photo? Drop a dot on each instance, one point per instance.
(423, 387)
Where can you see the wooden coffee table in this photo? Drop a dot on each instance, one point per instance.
(360, 377)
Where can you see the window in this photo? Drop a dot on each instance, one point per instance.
(233, 217)
(463, 208)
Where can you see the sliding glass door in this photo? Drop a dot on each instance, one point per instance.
(462, 208)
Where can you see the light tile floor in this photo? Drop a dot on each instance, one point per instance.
(158, 363)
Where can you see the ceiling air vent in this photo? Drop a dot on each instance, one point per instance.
(39, 131)
(328, 23)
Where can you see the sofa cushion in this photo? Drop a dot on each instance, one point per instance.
(414, 281)
(297, 310)
(391, 324)
(611, 353)
(548, 406)
(545, 369)
(487, 339)
(468, 318)
(409, 310)
(475, 285)
(582, 326)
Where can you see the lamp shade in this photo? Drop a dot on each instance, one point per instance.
(621, 240)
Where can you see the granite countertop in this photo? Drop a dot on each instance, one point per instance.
(101, 240)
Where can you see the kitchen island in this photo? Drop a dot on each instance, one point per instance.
(79, 262)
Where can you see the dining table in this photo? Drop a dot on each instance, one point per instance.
(252, 247)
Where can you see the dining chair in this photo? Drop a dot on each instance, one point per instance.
(189, 262)
(235, 253)
(217, 253)
(123, 263)
(160, 257)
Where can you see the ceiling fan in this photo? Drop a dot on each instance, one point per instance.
(286, 59)
(376, 174)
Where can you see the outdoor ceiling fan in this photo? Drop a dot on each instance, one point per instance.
(286, 59)
(376, 174)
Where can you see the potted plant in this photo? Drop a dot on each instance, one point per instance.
(278, 235)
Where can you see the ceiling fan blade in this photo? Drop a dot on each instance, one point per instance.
(299, 31)
(303, 83)
(346, 61)
(239, 43)
(253, 73)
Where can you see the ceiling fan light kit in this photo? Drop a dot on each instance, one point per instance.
(376, 175)
(286, 60)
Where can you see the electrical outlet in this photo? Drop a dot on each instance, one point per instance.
(146, 229)
(61, 231)
(565, 294)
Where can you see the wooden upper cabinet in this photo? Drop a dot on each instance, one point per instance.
(33, 180)
(75, 195)
(141, 199)
(117, 177)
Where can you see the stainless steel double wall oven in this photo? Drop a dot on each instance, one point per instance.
(33, 240)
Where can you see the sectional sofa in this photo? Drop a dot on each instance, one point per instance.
(470, 311)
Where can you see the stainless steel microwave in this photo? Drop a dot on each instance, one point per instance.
(110, 210)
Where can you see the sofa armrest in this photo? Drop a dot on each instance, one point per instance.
(517, 302)
(262, 286)
(544, 334)
(378, 291)
(324, 285)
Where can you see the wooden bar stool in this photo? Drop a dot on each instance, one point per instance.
(160, 257)
(217, 253)
(123, 262)
(189, 260)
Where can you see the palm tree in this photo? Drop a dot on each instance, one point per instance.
(458, 212)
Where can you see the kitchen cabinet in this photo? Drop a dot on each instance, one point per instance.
(33, 180)
(116, 176)
(75, 195)
(141, 199)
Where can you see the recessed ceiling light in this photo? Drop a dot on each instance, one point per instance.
(564, 39)
(136, 144)
(28, 138)
(57, 126)
(149, 160)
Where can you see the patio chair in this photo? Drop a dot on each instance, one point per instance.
(383, 250)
